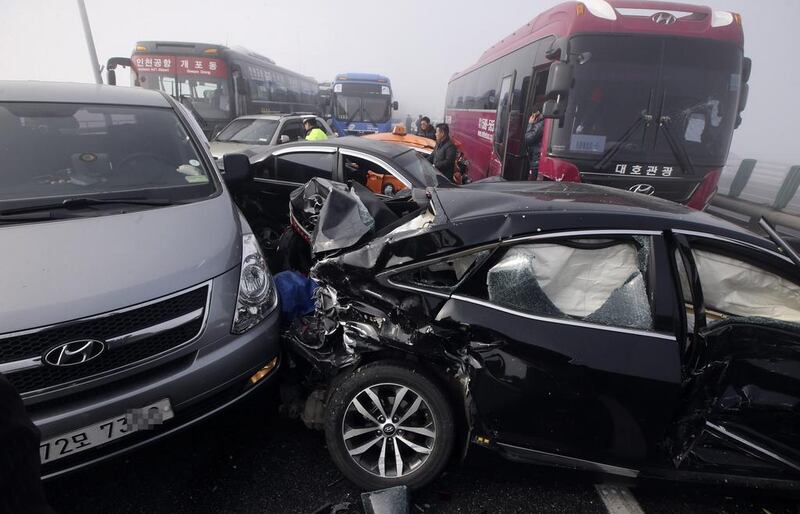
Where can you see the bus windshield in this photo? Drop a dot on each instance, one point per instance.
(370, 103)
(692, 85)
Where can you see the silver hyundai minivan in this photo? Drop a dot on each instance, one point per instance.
(134, 298)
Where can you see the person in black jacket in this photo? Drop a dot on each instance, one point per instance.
(533, 141)
(445, 152)
(426, 129)
(20, 486)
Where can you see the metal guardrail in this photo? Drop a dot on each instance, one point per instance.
(751, 190)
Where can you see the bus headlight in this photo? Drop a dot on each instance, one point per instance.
(257, 296)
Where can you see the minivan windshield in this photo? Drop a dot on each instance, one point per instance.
(51, 152)
(248, 130)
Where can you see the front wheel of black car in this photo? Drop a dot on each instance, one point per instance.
(389, 425)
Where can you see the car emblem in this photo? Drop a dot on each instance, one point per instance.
(76, 352)
(663, 18)
(645, 189)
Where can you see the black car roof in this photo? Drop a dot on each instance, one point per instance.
(378, 148)
(70, 92)
(548, 205)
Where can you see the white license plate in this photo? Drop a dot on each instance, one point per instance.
(105, 431)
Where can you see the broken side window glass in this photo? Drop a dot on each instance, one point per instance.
(732, 287)
(441, 274)
(597, 281)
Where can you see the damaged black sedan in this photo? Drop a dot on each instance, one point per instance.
(558, 324)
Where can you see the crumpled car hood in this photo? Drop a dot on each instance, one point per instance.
(63, 270)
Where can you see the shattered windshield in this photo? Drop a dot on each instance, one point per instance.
(692, 84)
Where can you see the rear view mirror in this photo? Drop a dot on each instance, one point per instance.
(747, 68)
(554, 109)
(237, 169)
(284, 139)
(559, 83)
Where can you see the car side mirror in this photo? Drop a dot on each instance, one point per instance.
(395, 105)
(284, 139)
(237, 169)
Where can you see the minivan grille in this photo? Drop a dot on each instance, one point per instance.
(103, 328)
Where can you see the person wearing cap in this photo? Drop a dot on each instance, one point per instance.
(313, 132)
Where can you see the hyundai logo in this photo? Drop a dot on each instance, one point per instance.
(76, 352)
(645, 189)
(663, 18)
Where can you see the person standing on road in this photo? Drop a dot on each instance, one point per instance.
(426, 129)
(313, 132)
(533, 142)
(409, 122)
(445, 152)
(417, 124)
(20, 480)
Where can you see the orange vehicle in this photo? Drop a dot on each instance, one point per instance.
(421, 144)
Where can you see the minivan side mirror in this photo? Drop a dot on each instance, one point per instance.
(237, 169)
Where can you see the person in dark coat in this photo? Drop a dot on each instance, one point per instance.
(426, 129)
(20, 482)
(445, 152)
(533, 141)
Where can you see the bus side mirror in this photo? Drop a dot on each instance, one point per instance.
(237, 169)
(240, 83)
(112, 77)
(555, 109)
(111, 67)
(559, 81)
(558, 50)
(395, 105)
(747, 68)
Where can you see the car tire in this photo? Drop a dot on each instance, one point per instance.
(423, 453)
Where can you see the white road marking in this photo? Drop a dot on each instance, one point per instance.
(618, 499)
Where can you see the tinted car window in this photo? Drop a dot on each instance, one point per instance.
(372, 175)
(596, 281)
(420, 168)
(51, 151)
(301, 167)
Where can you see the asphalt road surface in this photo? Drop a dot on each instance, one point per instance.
(250, 459)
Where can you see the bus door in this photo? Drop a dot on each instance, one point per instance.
(502, 120)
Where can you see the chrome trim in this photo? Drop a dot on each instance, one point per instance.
(576, 233)
(730, 240)
(573, 461)
(132, 365)
(391, 169)
(109, 313)
(300, 149)
(116, 342)
(581, 324)
(21, 365)
(276, 181)
(417, 289)
(724, 431)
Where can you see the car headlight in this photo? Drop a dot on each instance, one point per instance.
(257, 296)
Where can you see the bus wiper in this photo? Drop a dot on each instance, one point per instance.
(678, 149)
(83, 202)
(645, 118)
(779, 241)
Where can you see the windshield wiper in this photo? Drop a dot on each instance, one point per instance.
(779, 241)
(83, 202)
(645, 118)
(678, 149)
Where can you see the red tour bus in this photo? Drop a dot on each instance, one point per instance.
(640, 95)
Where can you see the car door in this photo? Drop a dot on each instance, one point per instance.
(577, 353)
(742, 359)
(372, 172)
(266, 202)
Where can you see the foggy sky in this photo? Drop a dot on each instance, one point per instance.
(418, 44)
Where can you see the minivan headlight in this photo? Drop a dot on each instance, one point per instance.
(257, 296)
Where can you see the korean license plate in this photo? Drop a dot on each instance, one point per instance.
(105, 431)
(644, 170)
